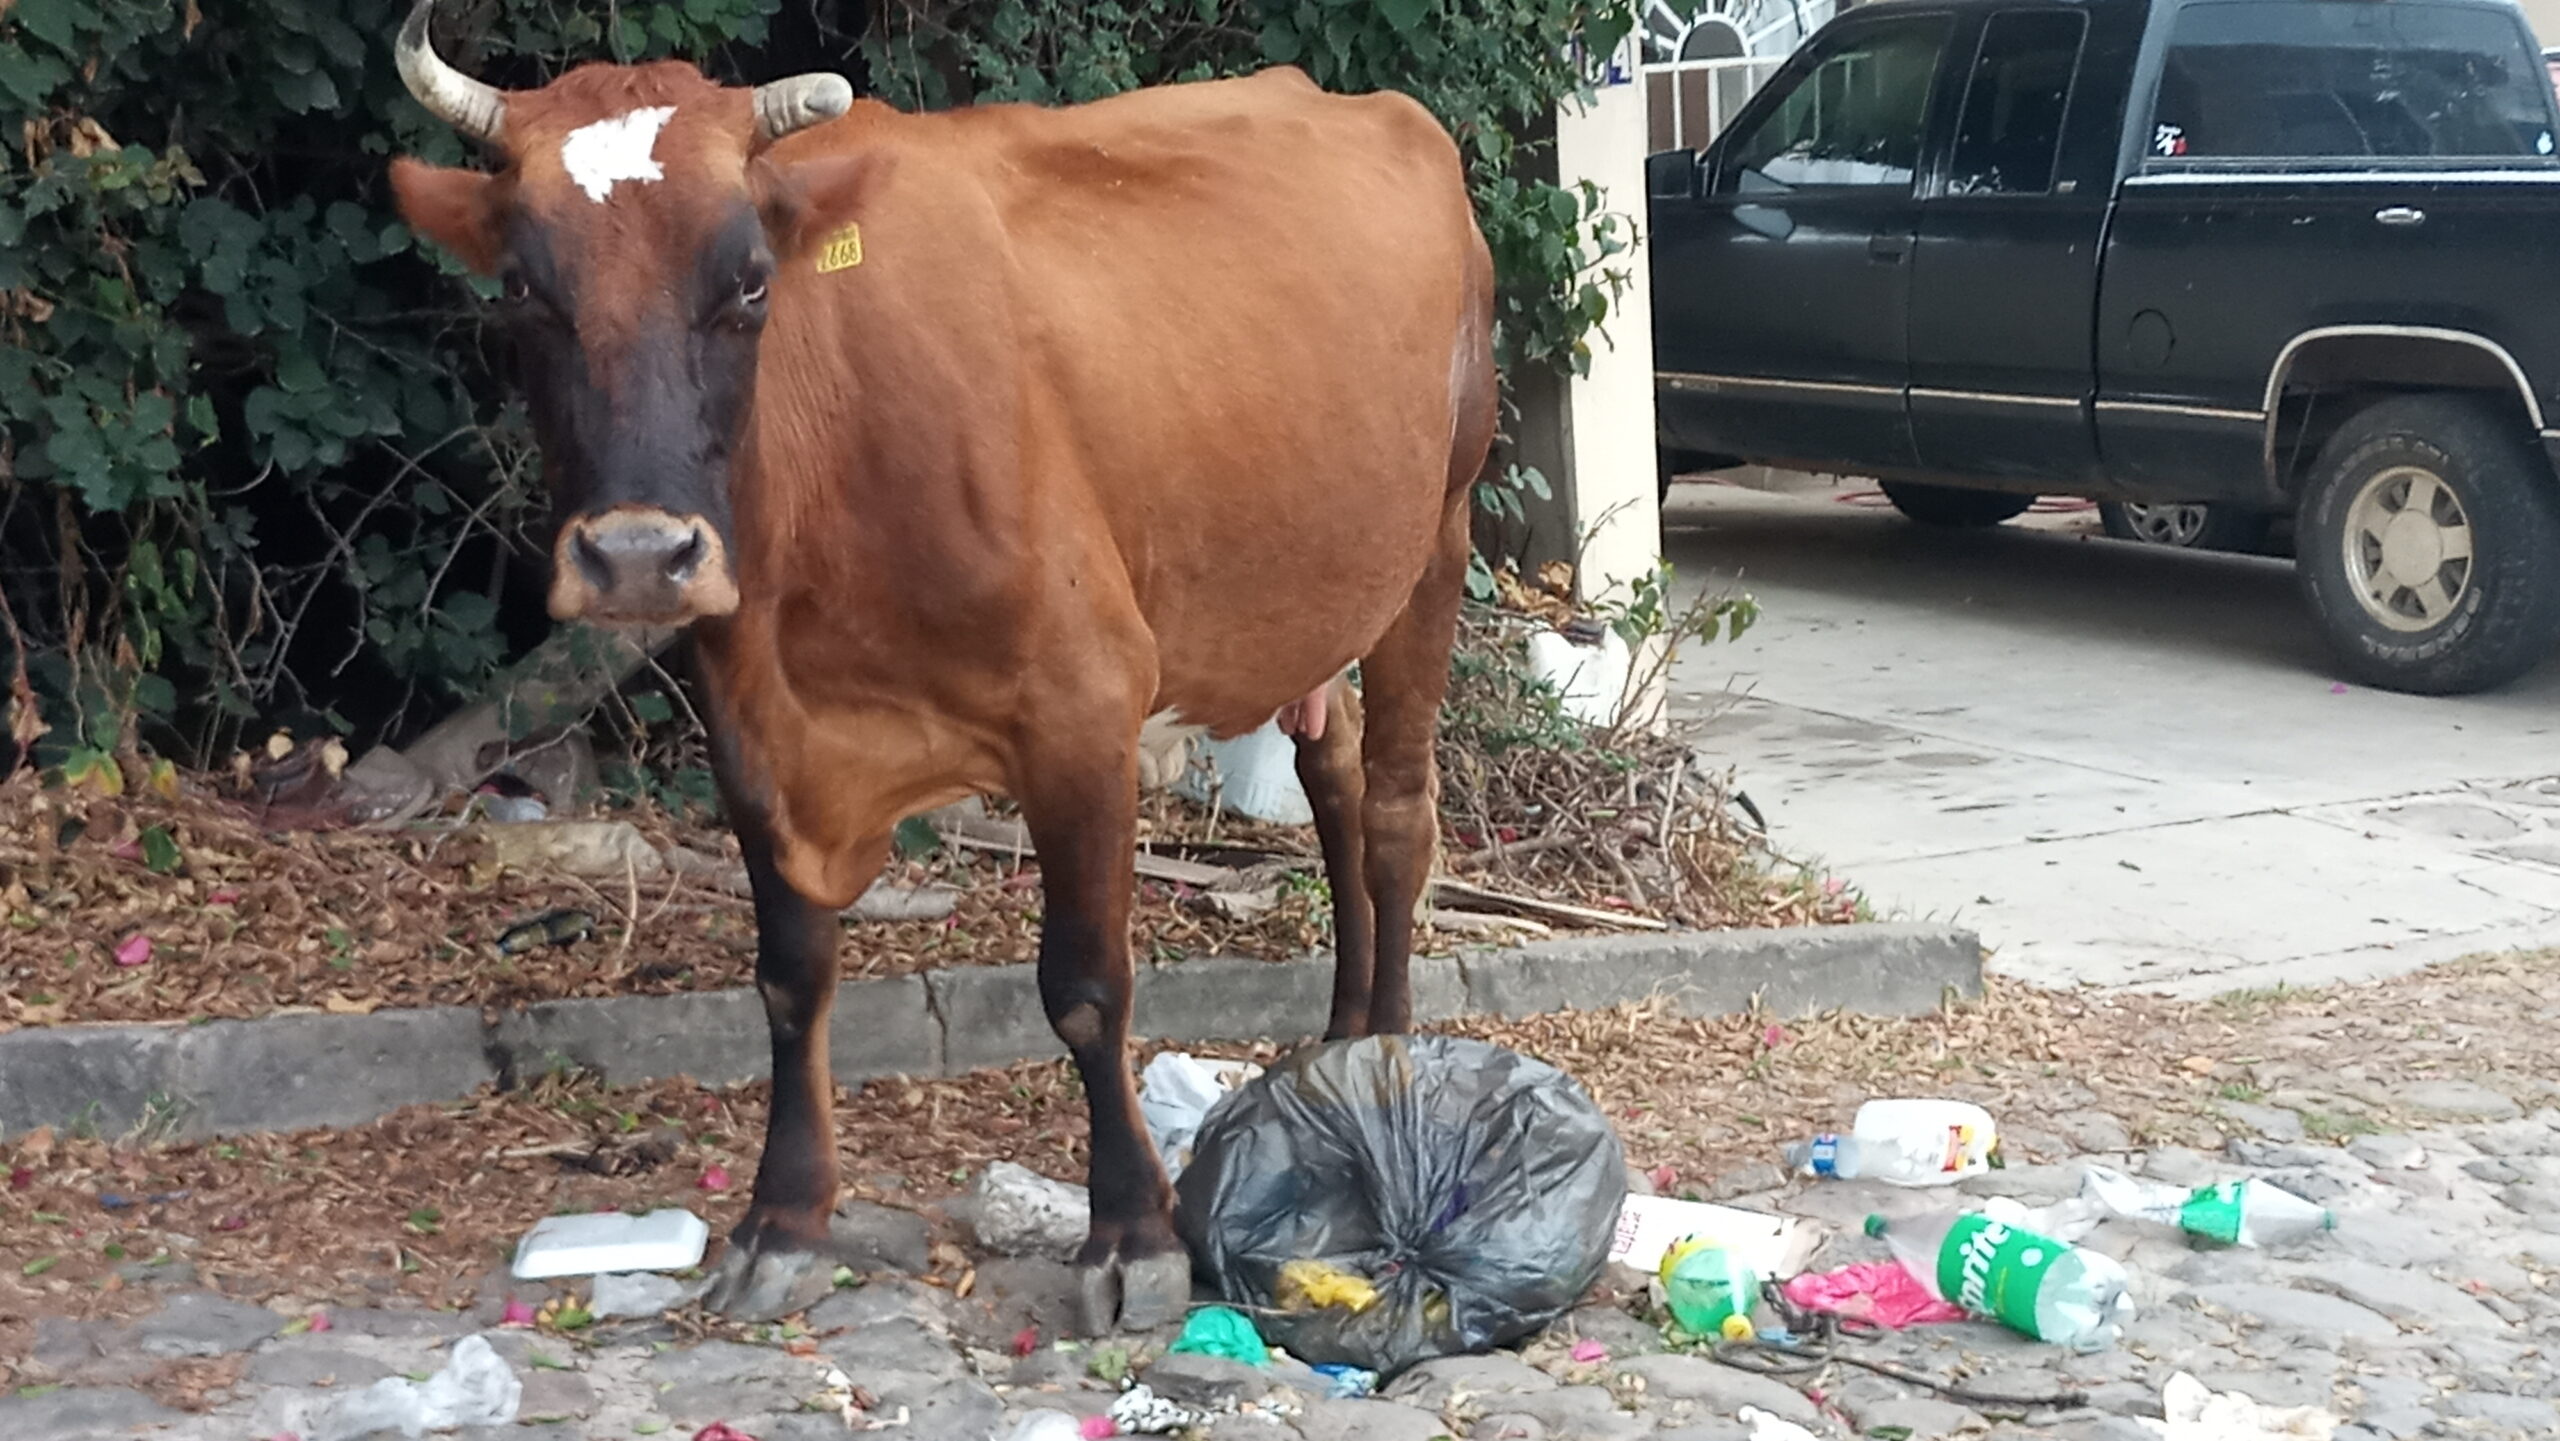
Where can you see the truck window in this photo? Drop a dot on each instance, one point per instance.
(2271, 79)
(1852, 121)
(2011, 125)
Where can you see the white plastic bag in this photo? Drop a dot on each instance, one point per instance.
(2195, 1412)
(475, 1388)
(1176, 1092)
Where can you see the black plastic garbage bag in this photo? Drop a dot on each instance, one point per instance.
(1475, 1189)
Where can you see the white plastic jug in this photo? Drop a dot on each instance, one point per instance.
(1256, 775)
(1954, 1138)
(1590, 680)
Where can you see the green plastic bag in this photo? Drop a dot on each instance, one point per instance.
(1223, 1331)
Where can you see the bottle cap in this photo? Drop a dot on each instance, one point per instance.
(1736, 1328)
(1875, 1225)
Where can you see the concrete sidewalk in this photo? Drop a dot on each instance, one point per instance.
(2122, 765)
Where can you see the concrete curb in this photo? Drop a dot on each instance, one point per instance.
(286, 1072)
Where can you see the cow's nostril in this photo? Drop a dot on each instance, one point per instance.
(590, 560)
(681, 561)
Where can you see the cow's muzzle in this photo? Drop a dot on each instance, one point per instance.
(637, 565)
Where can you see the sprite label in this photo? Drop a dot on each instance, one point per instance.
(2213, 1212)
(1993, 1269)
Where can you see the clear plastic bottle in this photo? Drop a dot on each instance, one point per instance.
(2032, 1284)
(1905, 1143)
(2243, 1213)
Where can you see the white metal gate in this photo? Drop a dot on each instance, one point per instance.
(1700, 66)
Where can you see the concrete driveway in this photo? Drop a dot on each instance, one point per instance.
(2124, 765)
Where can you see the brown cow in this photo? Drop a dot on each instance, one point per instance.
(968, 442)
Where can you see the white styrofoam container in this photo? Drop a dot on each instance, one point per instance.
(1591, 679)
(604, 1241)
(1256, 775)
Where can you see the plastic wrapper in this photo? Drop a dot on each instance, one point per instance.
(1383, 1201)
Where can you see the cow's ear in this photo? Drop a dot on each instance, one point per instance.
(805, 199)
(456, 209)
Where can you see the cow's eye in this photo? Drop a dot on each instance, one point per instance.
(515, 289)
(751, 294)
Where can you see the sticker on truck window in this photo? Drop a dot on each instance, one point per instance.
(2168, 140)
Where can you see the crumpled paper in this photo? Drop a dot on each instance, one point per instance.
(2197, 1413)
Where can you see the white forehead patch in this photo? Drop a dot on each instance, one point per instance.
(609, 151)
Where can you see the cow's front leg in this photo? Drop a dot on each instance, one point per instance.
(779, 1258)
(1083, 819)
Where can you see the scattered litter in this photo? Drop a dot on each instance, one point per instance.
(602, 1241)
(1176, 1092)
(1648, 1226)
(1027, 1340)
(113, 1201)
(2244, 1213)
(1709, 1290)
(1587, 1352)
(2195, 1412)
(2032, 1284)
(475, 1388)
(1225, 1332)
(1767, 1426)
(1346, 1383)
(721, 1431)
(598, 850)
(1013, 1211)
(518, 1313)
(1097, 1427)
(635, 1293)
(551, 928)
(1588, 671)
(134, 950)
(1306, 1285)
(1141, 1412)
(1046, 1425)
(1255, 775)
(512, 810)
(1472, 1189)
(1867, 1293)
(715, 1177)
(1904, 1143)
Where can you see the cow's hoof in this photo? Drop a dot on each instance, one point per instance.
(765, 1282)
(1133, 1295)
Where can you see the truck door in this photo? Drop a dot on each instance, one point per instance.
(2006, 272)
(2315, 168)
(1780, 295)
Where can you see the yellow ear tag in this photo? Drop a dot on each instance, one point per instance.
(843, 250)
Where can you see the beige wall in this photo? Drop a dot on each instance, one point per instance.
(2544, 17)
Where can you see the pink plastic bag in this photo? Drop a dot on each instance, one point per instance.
(1870, 1294)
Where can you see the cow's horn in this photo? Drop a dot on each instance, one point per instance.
(798, 101)
(473, 107)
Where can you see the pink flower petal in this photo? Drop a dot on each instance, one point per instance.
(131, 850)
(319, 1320)
(1773, 1036)
(223, 896)
(1662, 1178)
(1097, 1427)
(2337, 687)
(1587, 1352)
(135, 950)
(715, 1177)
(518, 1313)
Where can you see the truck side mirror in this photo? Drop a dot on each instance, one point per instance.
(1673, 174)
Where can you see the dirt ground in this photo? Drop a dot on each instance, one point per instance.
(428, 1202)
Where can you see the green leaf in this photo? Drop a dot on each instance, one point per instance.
(1403, 14)
(160, 851)
(652, 708)
(916, 838)
(1281, 44)
(40, 1265)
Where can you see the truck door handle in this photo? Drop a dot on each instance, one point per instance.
(1888, 248)
(2400, 215)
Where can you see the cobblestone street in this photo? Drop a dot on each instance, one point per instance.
(2428, 1312)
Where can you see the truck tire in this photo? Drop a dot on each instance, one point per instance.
(2430, 546)
(1952, 505)
(2192, 525)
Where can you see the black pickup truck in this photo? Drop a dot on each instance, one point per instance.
(2279, 256)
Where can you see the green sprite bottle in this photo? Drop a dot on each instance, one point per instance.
(2032, 1284)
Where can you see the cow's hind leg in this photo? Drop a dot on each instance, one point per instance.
(1083, 813)
(779, 1258)
(1403, 680)
(1329, 769)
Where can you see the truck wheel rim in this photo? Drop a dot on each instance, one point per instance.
(2408, 548)
(2166, 524)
